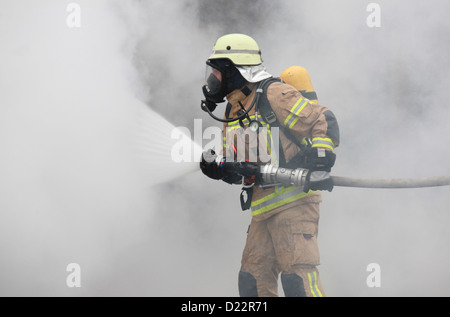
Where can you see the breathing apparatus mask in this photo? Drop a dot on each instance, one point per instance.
(221, 78)
(217, 76)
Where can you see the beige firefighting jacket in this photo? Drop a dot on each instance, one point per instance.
(302, 117)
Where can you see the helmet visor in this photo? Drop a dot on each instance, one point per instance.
(213, 79)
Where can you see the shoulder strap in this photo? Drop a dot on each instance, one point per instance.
(264, 106)
(228, 110)
(269, 116)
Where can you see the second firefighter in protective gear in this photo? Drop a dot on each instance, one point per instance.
(282, 236)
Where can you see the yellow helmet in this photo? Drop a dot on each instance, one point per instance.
(298, 77)
(241, 49)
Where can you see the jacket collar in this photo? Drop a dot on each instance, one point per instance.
(241, 95)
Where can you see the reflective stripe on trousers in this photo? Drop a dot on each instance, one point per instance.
(312, 278)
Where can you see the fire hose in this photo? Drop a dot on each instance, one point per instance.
(270, 174)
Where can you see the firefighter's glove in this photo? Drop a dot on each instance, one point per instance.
(317, 159)
(318, 180)
(211, 166)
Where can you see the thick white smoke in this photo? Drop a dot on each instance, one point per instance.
(77, 163)
(82, 150)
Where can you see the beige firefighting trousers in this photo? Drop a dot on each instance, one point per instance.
(284, 243)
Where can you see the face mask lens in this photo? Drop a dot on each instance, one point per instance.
(213, 79)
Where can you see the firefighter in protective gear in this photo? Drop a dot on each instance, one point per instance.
(282, 236)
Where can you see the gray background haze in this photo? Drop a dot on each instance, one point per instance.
(84, 153)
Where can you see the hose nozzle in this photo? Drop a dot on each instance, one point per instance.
(272, 174)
